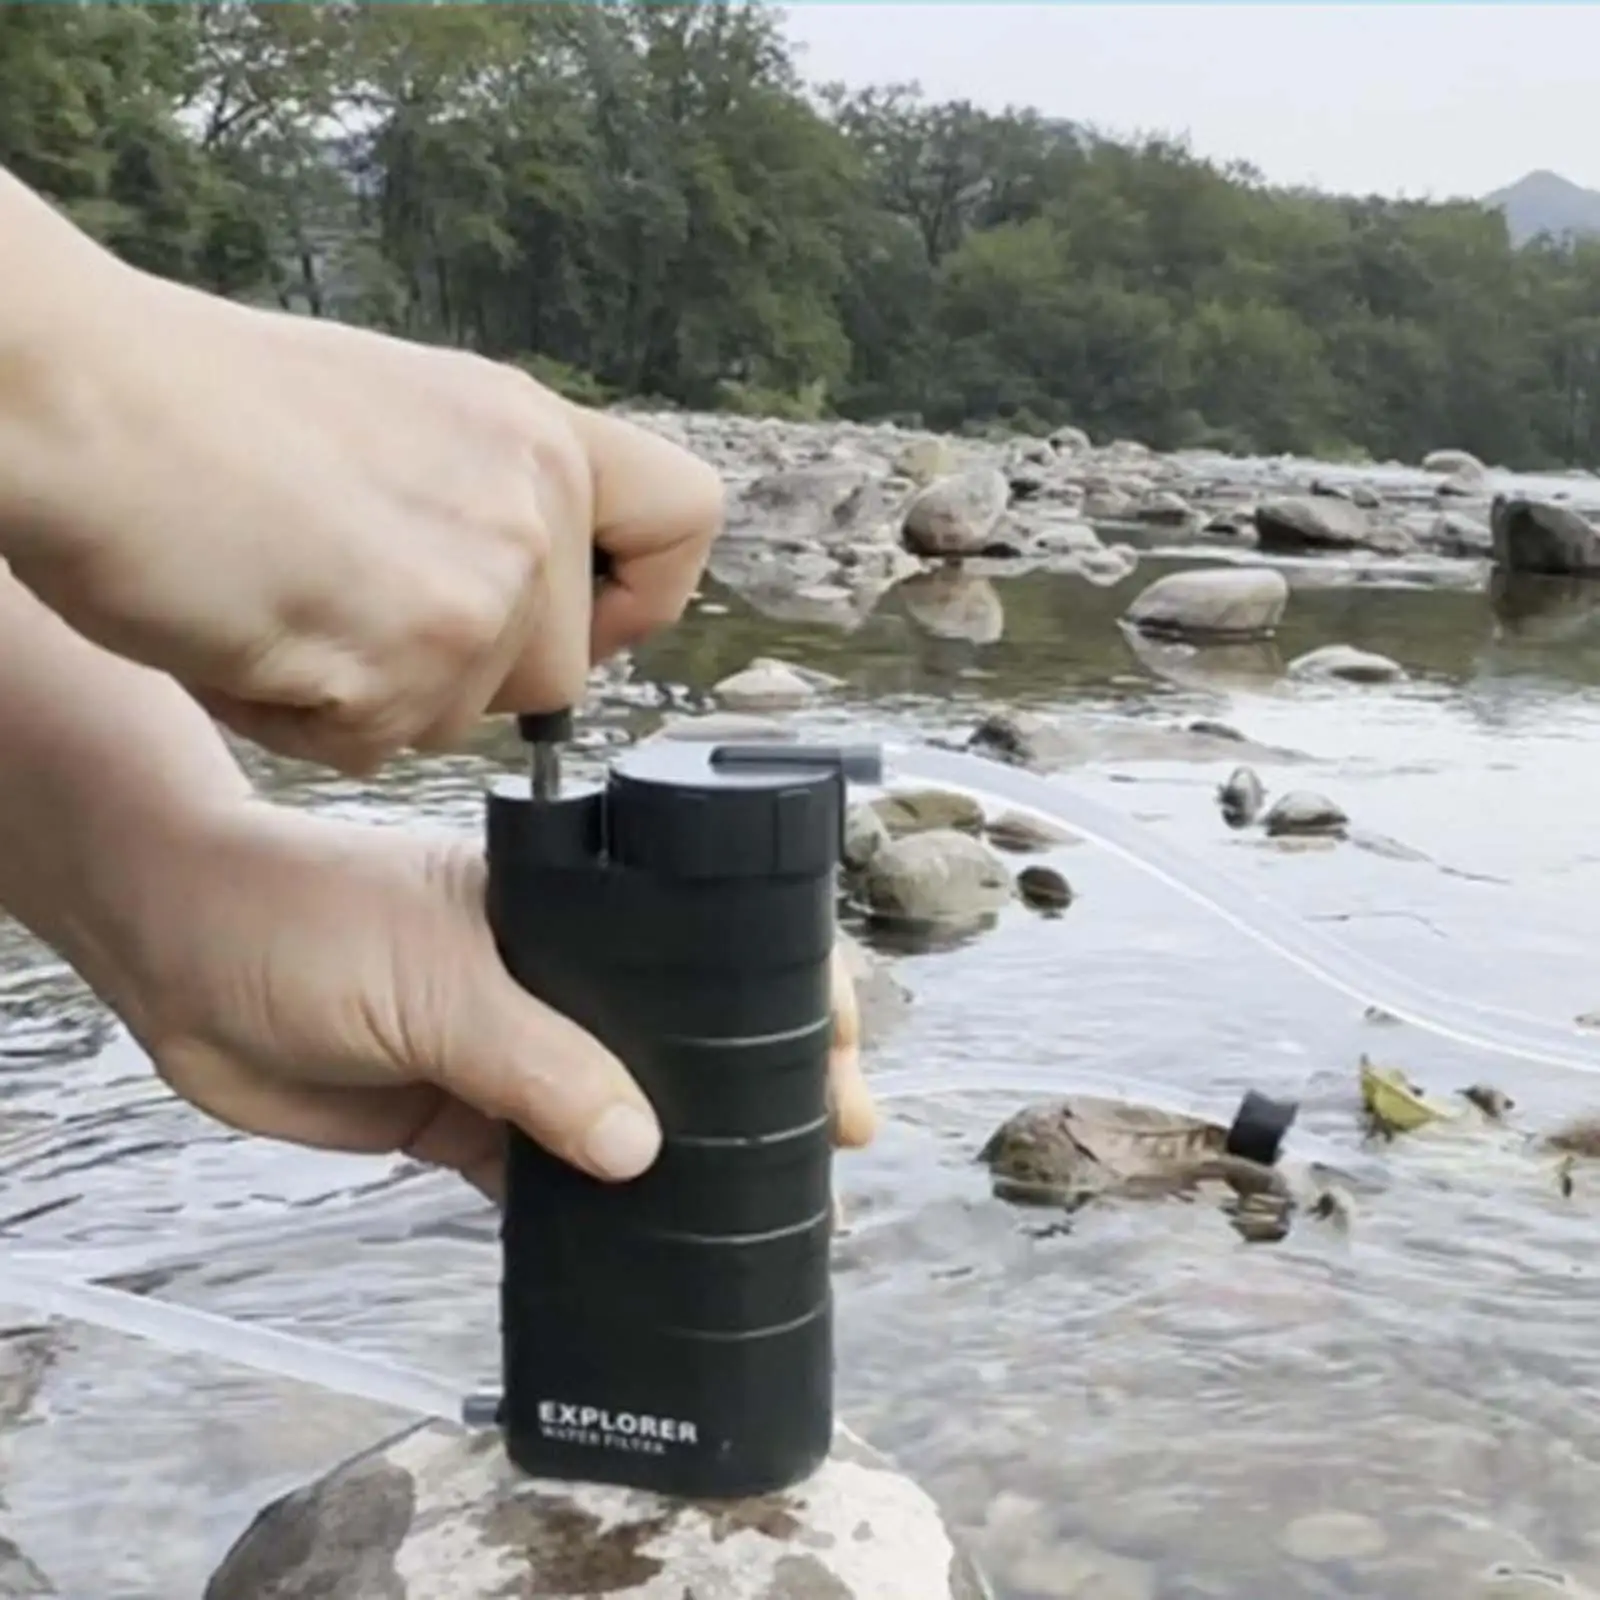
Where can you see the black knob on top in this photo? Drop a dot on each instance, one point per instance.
(545, 727)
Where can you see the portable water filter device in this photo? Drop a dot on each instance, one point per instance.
(675, 1332)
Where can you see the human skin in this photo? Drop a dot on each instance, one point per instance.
(327, 982)
(340, 545)
(345, 544)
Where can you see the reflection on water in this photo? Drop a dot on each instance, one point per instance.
(1138, 1406)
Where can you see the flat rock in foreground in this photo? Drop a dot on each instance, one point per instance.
(439, 1514)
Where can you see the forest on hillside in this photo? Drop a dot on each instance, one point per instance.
(646, 200)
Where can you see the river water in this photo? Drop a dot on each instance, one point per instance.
(1138, 1407)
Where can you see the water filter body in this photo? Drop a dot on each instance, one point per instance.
(675, 1333)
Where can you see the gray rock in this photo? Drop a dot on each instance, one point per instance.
(766, 685)
(1345, 661)
(956, 515)
(816, 505)
(949, 603)
(1065, 538)
(908, 811)
(1213, 603)
(1301, 814)
(436, 1514)
(1109, 504)
(1454, 463)
(1025, 834)
(1165, 509)
(1029, 739)
(1531, 535)
(927, 459)
(1044, 889)
(1241, 797)
(1455, 533)
(1071, 441)
(1359, 494)
(1299, 523)
(864, 836)
(939, 878)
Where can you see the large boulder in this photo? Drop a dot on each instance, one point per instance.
(1540, 536)
(441, 1514)
(957, 516)
(1296, 524)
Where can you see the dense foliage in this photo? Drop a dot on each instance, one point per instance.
(646, 199)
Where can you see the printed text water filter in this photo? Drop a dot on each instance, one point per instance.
(675, 1333)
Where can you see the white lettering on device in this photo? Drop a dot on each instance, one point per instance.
(570, 1423)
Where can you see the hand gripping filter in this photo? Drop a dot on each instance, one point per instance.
(675, 1333)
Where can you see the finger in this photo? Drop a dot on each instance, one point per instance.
(517, 1060)
(657, 511)
(855, 1117)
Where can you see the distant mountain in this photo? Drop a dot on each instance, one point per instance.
(1545, 202)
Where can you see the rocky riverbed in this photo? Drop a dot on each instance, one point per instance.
(825, 519)
(1134, 1401)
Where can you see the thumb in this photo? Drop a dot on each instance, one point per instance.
(516, 1059)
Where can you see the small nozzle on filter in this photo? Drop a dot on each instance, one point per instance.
(544, 732)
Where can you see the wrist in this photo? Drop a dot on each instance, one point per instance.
(68, 306)
(114, 781)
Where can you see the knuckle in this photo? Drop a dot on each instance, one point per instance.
(467, 618)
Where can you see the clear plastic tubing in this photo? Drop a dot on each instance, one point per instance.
(1514, 1034)
(1504, 1032)
(182, 1328)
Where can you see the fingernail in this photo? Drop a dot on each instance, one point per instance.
(623, 1143)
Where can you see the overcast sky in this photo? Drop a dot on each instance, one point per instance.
(1423, 100)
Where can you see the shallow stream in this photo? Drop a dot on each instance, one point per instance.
(1138, 1407)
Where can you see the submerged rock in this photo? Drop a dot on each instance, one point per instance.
(1069, 1152)
(438, 1514)
(1346, 662)
(1028, 739)
(1241, 797)
(939, 878)
(1301, 814)
(1213, 603)
(1326, 1536)
(1044, 889)
(907, 811)
(864, 836)
(1025, 834)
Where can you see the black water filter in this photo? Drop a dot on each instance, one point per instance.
(675, 1332)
